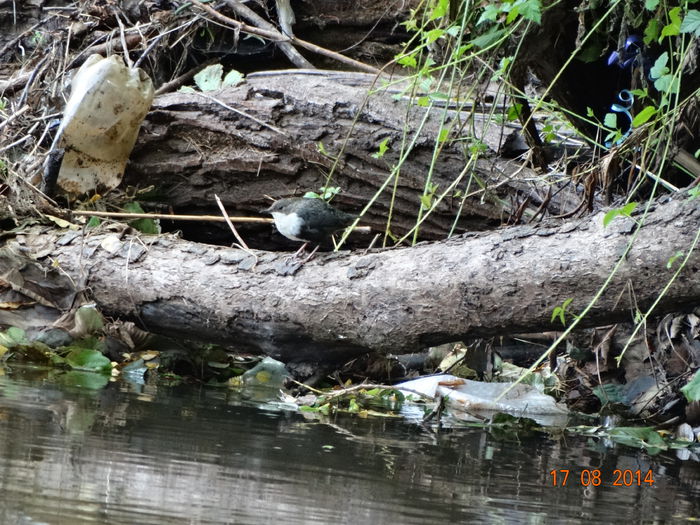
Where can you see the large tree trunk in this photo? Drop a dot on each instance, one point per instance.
(396, 300)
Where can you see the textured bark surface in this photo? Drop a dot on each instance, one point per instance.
(266, 142)
(398, 300)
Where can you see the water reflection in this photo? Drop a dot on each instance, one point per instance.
(196, 455)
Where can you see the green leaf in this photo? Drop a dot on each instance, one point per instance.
(407, 61)
(209, 78)
(691, 390)
(659, 68)
(383, 147)
(488, 39)
(651, 31)
(423, 101)
(666, 84)
(89, 360)
(532, 10)
(643, 116)
(650, 5)
(640, 437)
(609, 393)
(674, 27)
(673, 259)
(12, 337)
(490, 14)
(94, 222)
(432, 35)
(625, 211)
(426, 201)
(440, 10)
(610, 120)
(147, 226)
(589, 111)
(514, 111)
(233, 78)
(443, 135)
(691, 23)
(641, 93)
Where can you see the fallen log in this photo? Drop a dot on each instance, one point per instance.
(339, 305)
(279, 133)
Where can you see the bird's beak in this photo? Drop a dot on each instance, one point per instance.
(265, 210)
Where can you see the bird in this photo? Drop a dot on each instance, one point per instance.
(307, 220)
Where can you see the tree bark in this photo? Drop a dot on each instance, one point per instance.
(263, 138)
(397, 300)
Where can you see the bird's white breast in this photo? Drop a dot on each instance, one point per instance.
(288, 224)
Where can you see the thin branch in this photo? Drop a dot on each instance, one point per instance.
(208, 218)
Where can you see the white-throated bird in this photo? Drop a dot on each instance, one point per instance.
(308, 220)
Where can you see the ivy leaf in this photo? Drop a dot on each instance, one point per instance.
(691, 22)
(659, 68)
(650, 5)
(674, 28)
(233, 78)
(209, 78)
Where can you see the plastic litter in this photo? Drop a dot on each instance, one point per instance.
(100, 124)
(466, 396)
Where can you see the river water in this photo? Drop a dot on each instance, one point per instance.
(186, 454)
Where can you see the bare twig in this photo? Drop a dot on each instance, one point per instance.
(122, 38)
(244, 114)
(129, 216)
(288, 49)
(241, 243)
(275, 37)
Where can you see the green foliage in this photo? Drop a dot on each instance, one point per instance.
(691, 391)
(13, 336)
(383, 148)
(514, 111)
(664, 80)
(561, 311)
(426, 199)
(625, 211)
(673, 28)
(88, 360)
(673, 258)
(643, 116)
(211, 78)
(325, 193)
(691, 23)
(610, 393)
(147, 226)
(639, 437)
